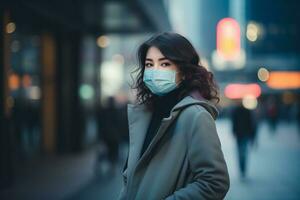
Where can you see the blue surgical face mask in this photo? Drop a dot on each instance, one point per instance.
(160, 81)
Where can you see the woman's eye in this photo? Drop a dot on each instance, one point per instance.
(148, 65)
(165, 64)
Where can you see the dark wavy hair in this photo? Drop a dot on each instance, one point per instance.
(179, 50)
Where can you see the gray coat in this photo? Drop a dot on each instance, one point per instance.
(184, 161)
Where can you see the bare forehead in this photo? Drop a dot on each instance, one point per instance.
(154, 53)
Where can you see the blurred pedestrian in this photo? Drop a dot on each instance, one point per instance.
(272, 113)
(110, 135)
(174, 149)
(244, 130)
(122, 102)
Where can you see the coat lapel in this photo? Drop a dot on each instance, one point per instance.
(138, 120)
(165, 124)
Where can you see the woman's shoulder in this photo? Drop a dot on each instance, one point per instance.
(192, 107)
(195, 111)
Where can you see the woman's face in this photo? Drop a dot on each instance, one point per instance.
(156, 60)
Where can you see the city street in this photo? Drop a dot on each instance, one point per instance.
(69, 70)
(273, 170)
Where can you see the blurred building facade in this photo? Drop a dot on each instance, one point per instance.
(50, 77)
(243, 43)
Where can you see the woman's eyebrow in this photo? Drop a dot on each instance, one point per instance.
(160, 59)
(149, 59)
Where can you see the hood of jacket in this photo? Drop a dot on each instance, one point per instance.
(194, 98)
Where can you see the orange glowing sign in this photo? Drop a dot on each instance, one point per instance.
(228, 38)
(14, 82)
(239, 91)
(284, 80)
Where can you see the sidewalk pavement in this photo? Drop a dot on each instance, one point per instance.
(273, 167)
(273, 171)
(52, 178)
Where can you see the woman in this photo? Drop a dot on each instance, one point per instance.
(174, 150)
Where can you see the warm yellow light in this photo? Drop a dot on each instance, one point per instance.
(263, 74)
(228, 39)
(34, 93)
(284, 80)
(250, 102)
(10, 27)
(252, 32)
(103, 41)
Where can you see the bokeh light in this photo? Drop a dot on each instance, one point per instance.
(249, 102)
(284, 80)
(10, 27)
(239, 91)
(14, 81)
(263, 74)
(103, 41)
(86, 91)
(252, 32)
